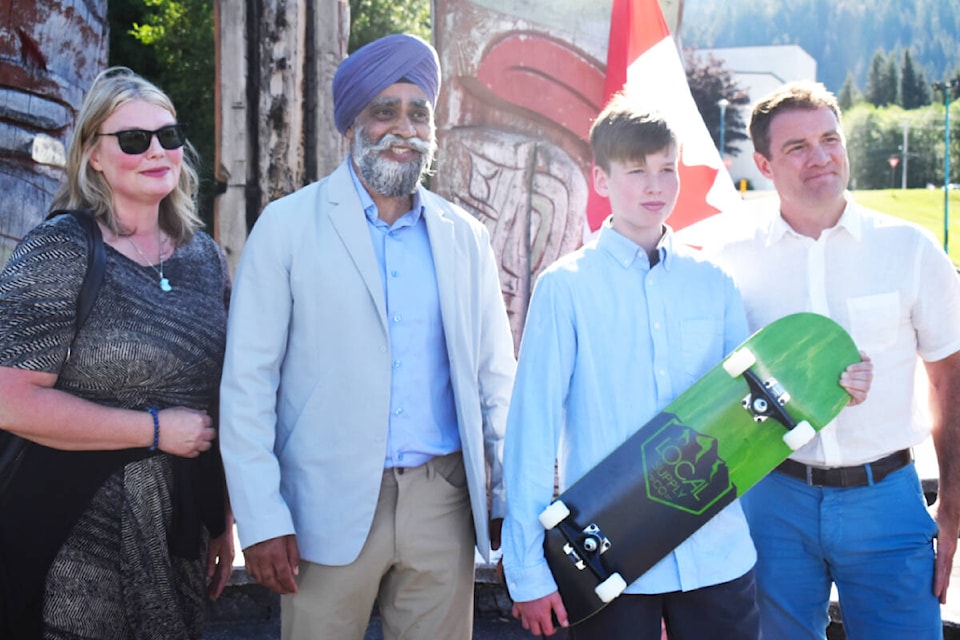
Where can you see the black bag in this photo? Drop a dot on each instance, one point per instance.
(13, 447)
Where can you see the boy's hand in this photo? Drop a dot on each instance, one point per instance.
(537, 615)
(857, 378)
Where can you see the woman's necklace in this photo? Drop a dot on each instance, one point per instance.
(164, 282)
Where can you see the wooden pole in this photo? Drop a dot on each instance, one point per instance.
(276, 60)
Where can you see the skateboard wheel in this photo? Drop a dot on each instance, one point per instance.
(738, 362)
(611, 587)
(799, 435)
(554, 514)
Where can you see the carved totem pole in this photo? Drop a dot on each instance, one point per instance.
(523, 80)
(50, 52)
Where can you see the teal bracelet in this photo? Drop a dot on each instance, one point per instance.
(156, 429)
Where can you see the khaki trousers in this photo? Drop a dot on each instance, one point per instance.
(417, 564)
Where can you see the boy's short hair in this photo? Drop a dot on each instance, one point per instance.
(625, 130)
(802, 94)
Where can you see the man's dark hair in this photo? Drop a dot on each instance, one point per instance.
(791, 96)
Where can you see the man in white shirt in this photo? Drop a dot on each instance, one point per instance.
(848, 508)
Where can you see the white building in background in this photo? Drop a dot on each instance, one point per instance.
(758, 71)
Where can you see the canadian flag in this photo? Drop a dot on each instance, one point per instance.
(642, 60)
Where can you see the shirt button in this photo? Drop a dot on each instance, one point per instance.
(396, 364)
(397, 412)
(397, 318)
(393, 273)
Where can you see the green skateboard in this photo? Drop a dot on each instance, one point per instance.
(706, 448)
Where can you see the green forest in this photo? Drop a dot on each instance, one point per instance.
(842, 35)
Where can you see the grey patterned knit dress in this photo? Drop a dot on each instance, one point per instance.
(112, 544)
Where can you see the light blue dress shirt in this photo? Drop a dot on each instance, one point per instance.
(423, 416)
(608, 342)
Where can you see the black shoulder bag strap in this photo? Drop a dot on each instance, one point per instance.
(12, 447)
(96, 262)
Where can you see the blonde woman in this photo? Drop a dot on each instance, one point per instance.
(115, 524)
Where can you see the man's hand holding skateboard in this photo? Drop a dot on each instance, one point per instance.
(857, 378)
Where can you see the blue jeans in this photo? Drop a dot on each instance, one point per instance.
(874, 542)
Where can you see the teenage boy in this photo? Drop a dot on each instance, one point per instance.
(615, 331)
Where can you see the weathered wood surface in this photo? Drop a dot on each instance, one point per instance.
(50, 51)
(275, 133)
(523, 80)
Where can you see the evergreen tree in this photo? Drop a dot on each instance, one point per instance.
(914, 90)
(893, 79)
(881, 83)
(849, 94)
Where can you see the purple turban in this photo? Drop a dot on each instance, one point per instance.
(377, 65)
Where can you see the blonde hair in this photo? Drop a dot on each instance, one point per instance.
(86, 188)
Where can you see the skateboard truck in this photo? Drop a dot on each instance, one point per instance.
(584, 548)
(767, 399)
(592, 541)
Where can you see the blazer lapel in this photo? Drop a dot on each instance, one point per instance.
(443, 245)
(350, 223)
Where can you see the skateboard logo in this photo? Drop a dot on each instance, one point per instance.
(683, 468)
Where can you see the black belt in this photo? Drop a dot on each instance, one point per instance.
(859, 476)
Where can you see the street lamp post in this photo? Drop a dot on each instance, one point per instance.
(906, 153)
(947, 88)
(723, 103)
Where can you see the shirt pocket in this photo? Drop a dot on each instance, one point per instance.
(701, 346)
(874, 320)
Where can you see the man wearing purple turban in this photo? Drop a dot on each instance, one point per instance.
(368, 370)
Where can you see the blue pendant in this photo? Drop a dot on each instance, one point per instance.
(165, 285)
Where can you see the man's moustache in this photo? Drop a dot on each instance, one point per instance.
(389, 140)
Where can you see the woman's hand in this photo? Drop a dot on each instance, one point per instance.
(220, 554)
(185, 432)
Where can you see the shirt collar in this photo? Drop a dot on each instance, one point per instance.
(850, 220)
(626, 251)
(370, 207)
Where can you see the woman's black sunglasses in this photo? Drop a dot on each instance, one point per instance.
(136, 141)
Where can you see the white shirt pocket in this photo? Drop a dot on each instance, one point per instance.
(874, 320)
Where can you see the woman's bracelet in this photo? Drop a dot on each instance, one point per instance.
(156, 428)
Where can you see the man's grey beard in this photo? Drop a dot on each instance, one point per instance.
(390, 178)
